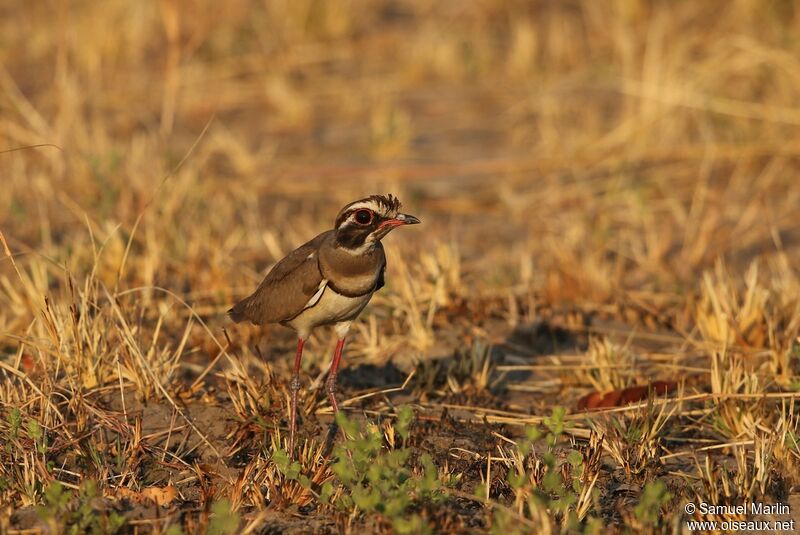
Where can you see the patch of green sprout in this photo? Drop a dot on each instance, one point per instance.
(76, 513)
(375, 478)
(654, 497)
(544, 482)
(224, 520)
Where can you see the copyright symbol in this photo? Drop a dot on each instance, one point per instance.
(689, 508)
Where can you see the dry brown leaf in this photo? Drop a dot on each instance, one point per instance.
(159, 495)
(624, 396)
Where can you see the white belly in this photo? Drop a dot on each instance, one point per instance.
(330, 308)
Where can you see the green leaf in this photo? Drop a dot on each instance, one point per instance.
(88, 490)
(14, 419)
(654, 497)
(55, 501)
(555, 422)
(224, 521)
(174, 529)
(563, 504)
(345, 502)
(343, 470)
(34, 430)
(412, 524)
(551, 482)
(405, 416)
(326, 492)
(366, 499)
(281, 459)
(515, 479)
(55, 496)
(533, 433)
(293, 471)
(117, 521)
(350, 427)
(396, 506)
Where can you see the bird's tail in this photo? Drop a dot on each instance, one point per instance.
(238, 312)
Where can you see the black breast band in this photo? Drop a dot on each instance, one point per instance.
(345, 293)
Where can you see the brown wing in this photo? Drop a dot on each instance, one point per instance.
(286, 289)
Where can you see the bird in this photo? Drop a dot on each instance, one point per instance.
(326, 281)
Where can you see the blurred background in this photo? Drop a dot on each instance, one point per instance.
(582, 147)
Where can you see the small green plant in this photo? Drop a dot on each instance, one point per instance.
(37, 435)
(555, 424)
(173, 529)
(224, 521)
(76, 513)
(14, 419)
(290, 469)
(634, 439)
(562, 485)
(405, 417)
(373, 474)
(23, 463)
(654, 497)
(299, 481)
(381, 480)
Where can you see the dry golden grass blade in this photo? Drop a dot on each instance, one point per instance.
(129, 341)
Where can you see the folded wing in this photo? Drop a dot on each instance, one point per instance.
(287, 288)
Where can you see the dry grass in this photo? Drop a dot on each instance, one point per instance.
(609, 194)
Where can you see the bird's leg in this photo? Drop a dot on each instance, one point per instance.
(331, 383)
(341, 330)
(294, 386)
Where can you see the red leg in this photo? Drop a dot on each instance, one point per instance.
(331, 383)
(294, 386)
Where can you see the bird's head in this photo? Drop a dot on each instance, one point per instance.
(363, 223)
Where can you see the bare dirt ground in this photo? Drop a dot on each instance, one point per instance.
(596, 325)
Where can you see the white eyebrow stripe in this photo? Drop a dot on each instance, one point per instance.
(369, 205)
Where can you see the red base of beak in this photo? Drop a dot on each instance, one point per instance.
(401, 219)
(391, 223)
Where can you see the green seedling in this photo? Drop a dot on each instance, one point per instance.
(224, 521)
(69, 513)
(549, 481)
(654, 497)
(382, 480)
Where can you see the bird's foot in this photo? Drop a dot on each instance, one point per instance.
(330, 387)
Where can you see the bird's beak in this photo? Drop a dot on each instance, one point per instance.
(399, 220)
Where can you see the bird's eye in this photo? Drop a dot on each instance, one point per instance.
(363, 217)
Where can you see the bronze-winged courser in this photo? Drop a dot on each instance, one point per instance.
(326, 281)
